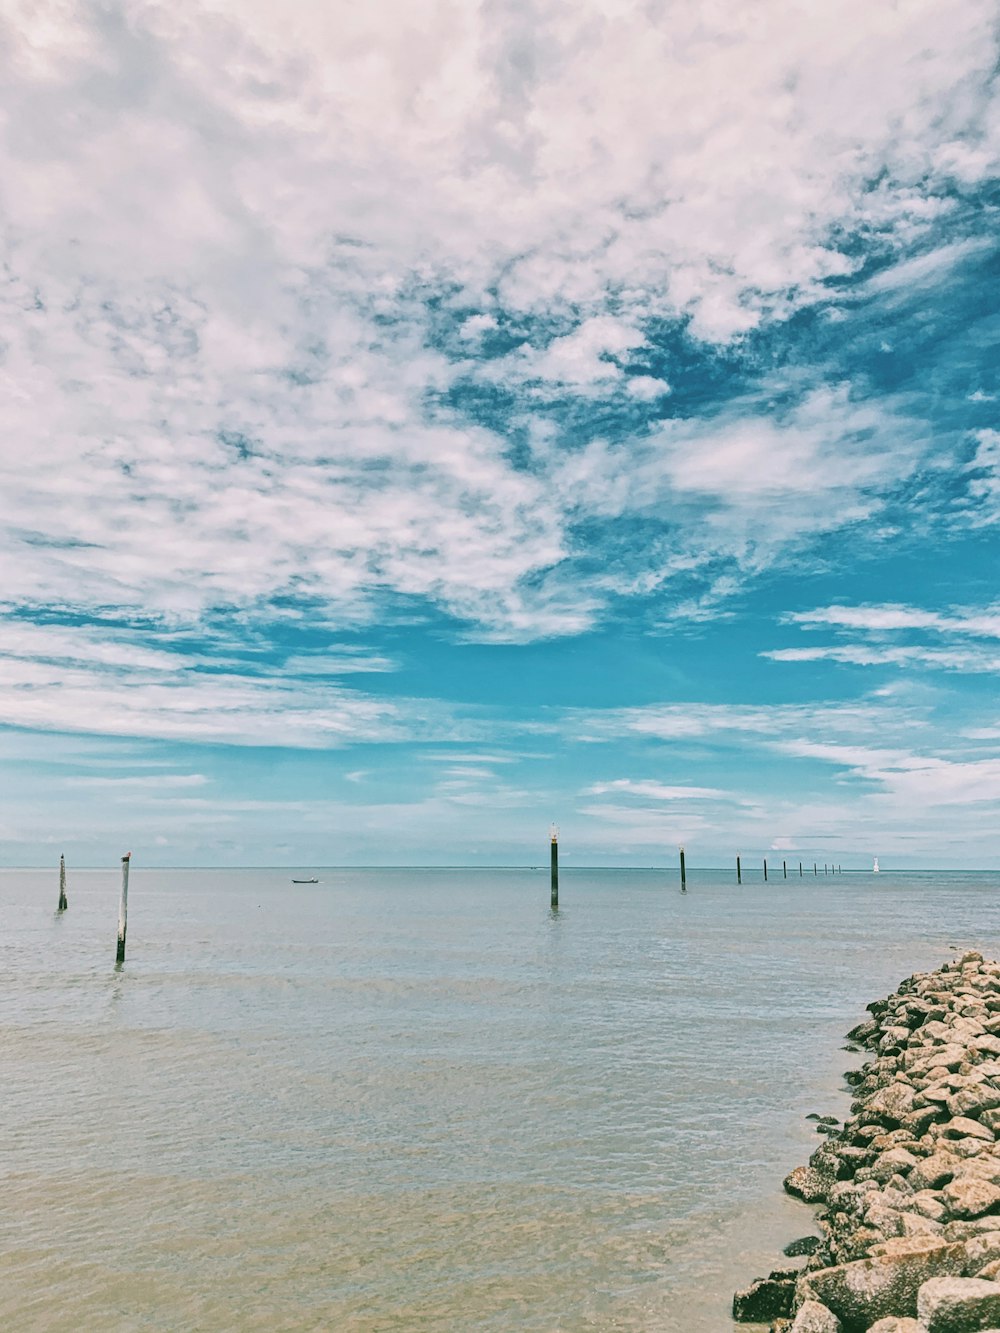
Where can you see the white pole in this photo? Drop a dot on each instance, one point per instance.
(123, 909)
(62, 884)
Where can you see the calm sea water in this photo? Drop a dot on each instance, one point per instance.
(419, 1100)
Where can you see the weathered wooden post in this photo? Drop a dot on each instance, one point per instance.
(815, 871)
(684, 878)
(62, 884)
(784, 868)
(800, 868)
(123, 909)
(554, 873)
(765, 869)
(739, 872)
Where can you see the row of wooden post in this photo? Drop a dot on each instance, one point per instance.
(554, 869)
(122, 902)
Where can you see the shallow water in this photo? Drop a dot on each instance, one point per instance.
(419, 1100)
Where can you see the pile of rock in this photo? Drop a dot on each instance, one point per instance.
(910, 1185)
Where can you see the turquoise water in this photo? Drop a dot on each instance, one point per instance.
(418, 1099)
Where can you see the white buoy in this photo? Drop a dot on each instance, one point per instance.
(123, 909)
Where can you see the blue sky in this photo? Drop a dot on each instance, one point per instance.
(428, 422)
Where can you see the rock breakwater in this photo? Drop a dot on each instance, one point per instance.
(909, 1186)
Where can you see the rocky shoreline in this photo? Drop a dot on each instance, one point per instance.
(909, 1186)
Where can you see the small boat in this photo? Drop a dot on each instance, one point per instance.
(305, 881)
(875, 869)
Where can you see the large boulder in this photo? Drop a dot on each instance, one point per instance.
(808, 1184)
(934, 1171)
(969, 1198)
(892, 1103)
(981, 1250)
(815, 1318)
(958, 1304)
(765, 1299)
(973, 1101)
(865, 1290)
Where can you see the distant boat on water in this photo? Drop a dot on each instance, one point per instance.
(305, 881)
(875, 870)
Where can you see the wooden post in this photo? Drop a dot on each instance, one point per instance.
(123, 909)
(800, 868)
(684, 878)
(739, 872)
(765, 869)
(62, 884)
(815, 871)
(555, 866)
(784, 867)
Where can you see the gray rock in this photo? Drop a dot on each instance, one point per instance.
(928, 1203)
(958, 1304)
(964, 1128)
(973, 1101)
(815, 1318)
(804, 1245)
(895, 1161)
(970, 1198)
(766, 1298)
(865, 1290)
(808, 1184)
(893, 1102)
(983, 1249)
(933, 1171)
(894, 1325)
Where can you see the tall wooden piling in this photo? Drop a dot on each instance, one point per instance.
(800, 868)
(123, 909)
(784, 869)
(765, 869)
(554, 864)
(62, 884)
(739, 872)
(684, 878)
(815, 871)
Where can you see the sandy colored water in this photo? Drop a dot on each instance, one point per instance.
(418, 1100)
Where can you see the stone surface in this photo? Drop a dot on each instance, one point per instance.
(982, 1249)
(764, 1299)
(961, 1127)
(958, 1304)
(808, 1184)
(894, 1102)
(804, 1245)
(861, 1292)
(933, 1171)
(970, 1198)
(910, 1184)
(815, 1318)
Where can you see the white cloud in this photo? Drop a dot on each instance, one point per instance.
(225, 221)
(656, 791)
(64, 684)
(943, 659)
(982, 621)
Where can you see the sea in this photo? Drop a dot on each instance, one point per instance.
(421, 1099)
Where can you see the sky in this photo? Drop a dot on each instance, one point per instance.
(425, 422)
